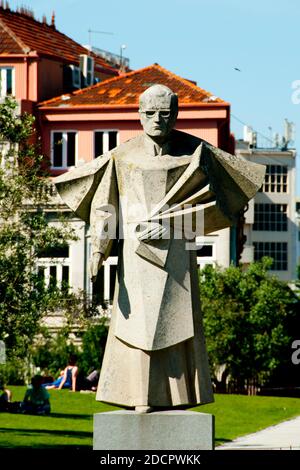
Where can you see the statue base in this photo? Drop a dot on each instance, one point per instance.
(162, 430)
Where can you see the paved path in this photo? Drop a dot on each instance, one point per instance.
(283, 436)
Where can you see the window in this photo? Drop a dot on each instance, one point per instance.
(275, 179)
(76, 76)
(54, 266)
(6, 81)
(87, 69)
(89, 79)
(206, 251)
(57, 251)
(270, 217)
(55, 275)
(64, 149)
(104, 141)
(276, 250)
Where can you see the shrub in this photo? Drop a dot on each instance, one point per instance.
(53, 353)
(14, 372)
(93, 345)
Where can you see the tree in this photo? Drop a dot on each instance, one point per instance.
(247, 320)
(51, 353)
(24, 232)
(93, 345)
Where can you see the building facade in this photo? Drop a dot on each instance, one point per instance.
(38, 62)
(298, 234)
(79, 126)
(270, 221)
(80, 121)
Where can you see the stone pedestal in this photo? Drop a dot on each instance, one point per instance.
(163, 430)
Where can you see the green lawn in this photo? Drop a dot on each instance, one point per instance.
(70, 423)
(237, 415)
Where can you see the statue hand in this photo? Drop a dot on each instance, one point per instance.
(95, 264)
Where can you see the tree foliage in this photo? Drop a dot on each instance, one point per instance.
(24, 231)
(247, 319)
(51, 353)
(93, 346)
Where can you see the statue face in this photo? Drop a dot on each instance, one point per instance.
(158, 115)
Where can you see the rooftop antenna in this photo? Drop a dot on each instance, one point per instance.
(90, 31)
(122, 48)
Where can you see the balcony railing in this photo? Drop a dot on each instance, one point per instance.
(114, 59)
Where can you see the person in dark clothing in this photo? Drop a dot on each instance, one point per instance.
(90, 382)
(5, 398)
(36, 399)
(68, 378)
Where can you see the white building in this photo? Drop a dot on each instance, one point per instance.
(298, 229)
(271, 229)
(271, 225)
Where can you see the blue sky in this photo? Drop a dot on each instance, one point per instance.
(203, 40)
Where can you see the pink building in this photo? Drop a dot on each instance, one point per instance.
(76, 127)
(78, 122)
(38, 62)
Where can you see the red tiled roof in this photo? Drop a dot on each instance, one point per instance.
(8, 42)
(20, 34)
(125, 90)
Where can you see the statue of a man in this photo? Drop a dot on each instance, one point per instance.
(155, 355)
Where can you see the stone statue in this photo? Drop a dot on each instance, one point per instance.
(155, 355)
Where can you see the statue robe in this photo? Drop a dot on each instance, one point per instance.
(155, 353)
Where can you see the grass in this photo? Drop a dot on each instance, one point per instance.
(70, 424)
(237, 415)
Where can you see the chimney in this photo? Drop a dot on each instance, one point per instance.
(53, 20)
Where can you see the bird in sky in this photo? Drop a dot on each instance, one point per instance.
(235, 68)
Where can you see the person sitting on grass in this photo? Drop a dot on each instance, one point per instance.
(69, 377)
(56, 383)
(89, 383)
(5, 398)
(36, 399)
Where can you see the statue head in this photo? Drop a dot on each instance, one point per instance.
(158, 111)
